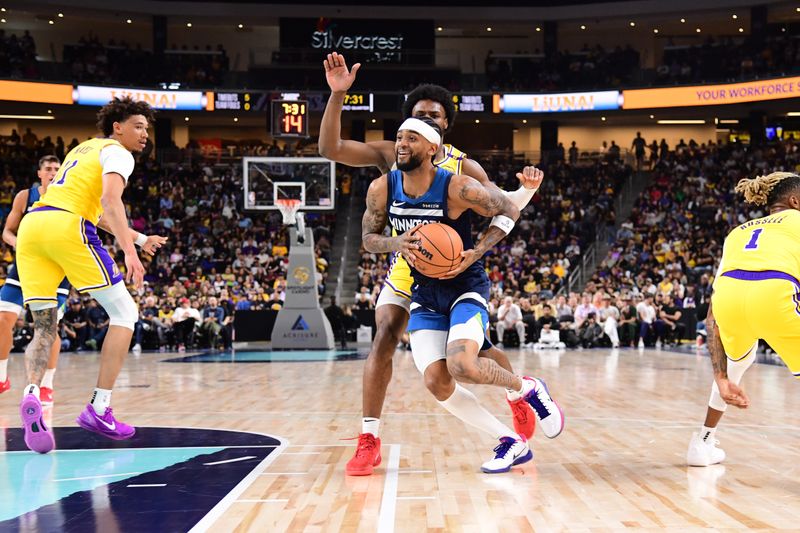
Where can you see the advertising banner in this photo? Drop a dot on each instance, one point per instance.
(556, 102)
(703, 95)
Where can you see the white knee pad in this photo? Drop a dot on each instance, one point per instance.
(118, 303)
(736, 370)
(427, 347)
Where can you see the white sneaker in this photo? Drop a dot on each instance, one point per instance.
(703, 453)
(499, 345)
(549, 414)
(137, 348)
(508, 453)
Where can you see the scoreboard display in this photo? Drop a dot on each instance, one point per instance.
(358, 102)
(289, 118)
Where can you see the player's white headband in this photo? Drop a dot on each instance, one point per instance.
(416, 125)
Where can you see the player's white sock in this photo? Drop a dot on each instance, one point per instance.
(525, 388)
(3, 370)
(513, 395)
(31, 389)
(370, 425)
(707, 434)
(101, 399)
(464, 405)
(47, 379)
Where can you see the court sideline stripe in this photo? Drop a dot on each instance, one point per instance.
(389, 501)
(222, 506)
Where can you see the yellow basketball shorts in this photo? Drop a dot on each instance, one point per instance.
(759, 305)
(52, 243)
(399, 278)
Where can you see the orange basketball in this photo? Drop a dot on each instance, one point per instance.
(439, 251)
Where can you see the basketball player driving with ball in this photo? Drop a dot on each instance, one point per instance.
(449, 316)
(392, 308)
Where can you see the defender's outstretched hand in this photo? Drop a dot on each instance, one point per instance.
(531, 177)
(336, 72)
(154, 242)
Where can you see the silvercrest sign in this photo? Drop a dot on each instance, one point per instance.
(327, 40)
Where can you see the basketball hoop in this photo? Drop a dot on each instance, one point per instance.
(288, 208)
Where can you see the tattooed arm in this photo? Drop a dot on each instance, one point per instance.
(466, 193)
(719, 361)
(374, 221)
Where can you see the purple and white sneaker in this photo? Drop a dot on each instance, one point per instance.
(104, 425)
(38, 437)
(548, 412)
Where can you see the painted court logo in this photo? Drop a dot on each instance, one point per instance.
(300, 324)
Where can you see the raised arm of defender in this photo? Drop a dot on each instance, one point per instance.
(331, 145)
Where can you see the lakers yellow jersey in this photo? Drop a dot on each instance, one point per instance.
(767, 243)
(453, 159)
(78, 186)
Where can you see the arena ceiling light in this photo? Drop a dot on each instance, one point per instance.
(28, 117)
(681, 121)
(741, 30)
(728, 121)
(793, 114)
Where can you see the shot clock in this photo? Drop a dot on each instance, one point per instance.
(290, 118)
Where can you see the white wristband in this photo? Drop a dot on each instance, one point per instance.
(141, 240)
(504, 223)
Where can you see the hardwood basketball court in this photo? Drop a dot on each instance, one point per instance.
(619, 463)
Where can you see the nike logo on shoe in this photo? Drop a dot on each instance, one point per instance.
(112, 426)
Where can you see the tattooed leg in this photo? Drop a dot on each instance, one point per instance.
(465, 365)
(37, 354)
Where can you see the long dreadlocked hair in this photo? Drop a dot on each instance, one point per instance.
(767, 190)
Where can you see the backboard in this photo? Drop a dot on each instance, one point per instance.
(312, 180)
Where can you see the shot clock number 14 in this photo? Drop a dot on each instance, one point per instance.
(290, 118)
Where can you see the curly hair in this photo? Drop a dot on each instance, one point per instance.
(436, 93)
(119, 110)
(769, 189)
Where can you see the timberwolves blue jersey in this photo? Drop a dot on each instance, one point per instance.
(33, 196)
(439, 304)
(405, 213)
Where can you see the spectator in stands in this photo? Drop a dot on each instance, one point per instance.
(671, 328)
(184, 320)
(647, 317)
(509, 315)
(213, 325)
(364, 299)
(583, 310)
(608, 318)
(98, 324)
(78, 325)
(628, 330)
(590, 333)
(338, 321)
(23, 333)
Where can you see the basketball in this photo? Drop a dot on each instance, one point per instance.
(439, 251)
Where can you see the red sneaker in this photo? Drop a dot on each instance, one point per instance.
(46, 396)
(4, 386)
(524, 419)
(367, 456)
